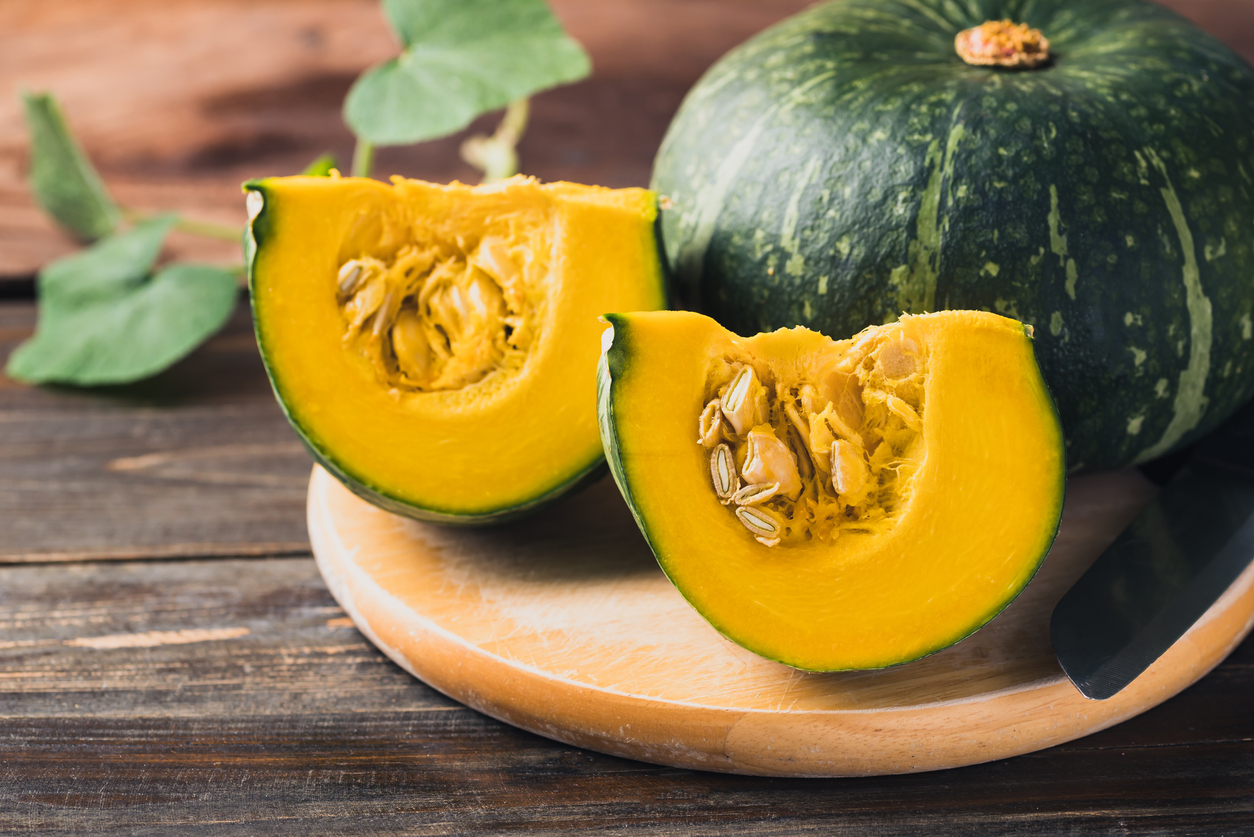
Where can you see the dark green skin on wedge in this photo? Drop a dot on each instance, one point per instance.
(610, 369)
(846, 166)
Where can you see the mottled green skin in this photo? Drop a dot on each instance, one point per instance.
(846, 166)
(256, 238)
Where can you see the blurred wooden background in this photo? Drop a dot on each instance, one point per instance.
(179, 101)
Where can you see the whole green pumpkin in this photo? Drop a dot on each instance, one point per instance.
(846, 166)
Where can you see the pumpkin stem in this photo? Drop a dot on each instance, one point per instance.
(497, 156)
(363, 158)
(1002, 43)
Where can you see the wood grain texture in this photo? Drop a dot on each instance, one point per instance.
(179, 101)
(300, 726)
(566, 627)
(196, 461)
(200, 95)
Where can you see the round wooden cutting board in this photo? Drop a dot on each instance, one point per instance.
(565, 626)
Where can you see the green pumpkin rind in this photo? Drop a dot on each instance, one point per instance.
(256, 236)
(846, 166)
(610, 369)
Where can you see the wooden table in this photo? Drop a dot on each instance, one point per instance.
(170, 660)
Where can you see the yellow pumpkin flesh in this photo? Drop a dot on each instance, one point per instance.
(934, 530)
(435, 346)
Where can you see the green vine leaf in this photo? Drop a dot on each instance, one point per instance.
(62, 179)
(321, 167)
(461, 58)
(111, 266)
(105, 319)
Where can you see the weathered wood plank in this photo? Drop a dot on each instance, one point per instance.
(181, 639)
(195, 461)
(460, 775)
(131, 697)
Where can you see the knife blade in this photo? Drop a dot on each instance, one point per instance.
(1165, 570)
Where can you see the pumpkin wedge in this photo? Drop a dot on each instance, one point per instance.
(835, 505)
(435, 346)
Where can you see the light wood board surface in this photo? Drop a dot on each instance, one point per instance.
(565, 626)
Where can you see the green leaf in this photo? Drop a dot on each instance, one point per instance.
(462, 58)
(104, 320)
(321, 167)
(106, 269)
(63, 180)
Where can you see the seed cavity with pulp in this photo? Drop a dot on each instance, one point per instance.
(811, 449)
(443, 311)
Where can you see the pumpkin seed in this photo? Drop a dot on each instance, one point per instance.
(409, 345)
(802, 427)
(384, 317)
(753, 494)
(904, 411)
(760, 521)
(769, 460)
(723, 471)
(364, 302)
(766, 541)
(739, 403)
(350, 276)
(845, 393)
(711, 424)
(493, 258)
(738, 390)
(896, 358)
(857, 353)
(849, 469)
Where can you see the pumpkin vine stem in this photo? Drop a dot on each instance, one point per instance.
(497, 156)
(221, 232)
(205, 229)
(363, 158)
